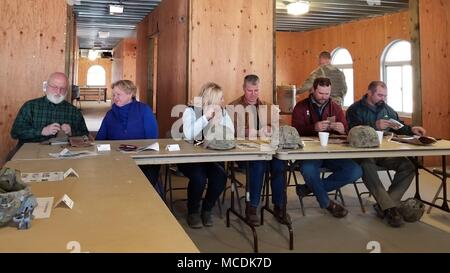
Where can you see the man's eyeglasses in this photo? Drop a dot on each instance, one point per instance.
(61, 89)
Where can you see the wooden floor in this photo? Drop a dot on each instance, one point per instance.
(317, 231)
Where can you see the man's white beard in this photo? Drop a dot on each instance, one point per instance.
(55, 99)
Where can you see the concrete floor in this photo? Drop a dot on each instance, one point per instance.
(93, 113)
(317, 231)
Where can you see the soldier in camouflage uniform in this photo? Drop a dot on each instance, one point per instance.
(327, 70)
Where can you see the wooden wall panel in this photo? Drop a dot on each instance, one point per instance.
(84, 64)
(435, 62)
(229, 41)
(32, 46)
(296, 53)
(168, 21)
(141, 59)
(124, 61)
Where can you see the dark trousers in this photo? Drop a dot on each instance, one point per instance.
(199, 174)
(152, 174)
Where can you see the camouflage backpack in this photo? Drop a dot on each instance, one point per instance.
(411, 209)
(363, 137)
(16, 200)
(219, 138)
(289, 138)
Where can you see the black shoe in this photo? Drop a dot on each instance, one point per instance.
(302, 190)
(207, 218)
(337, 210)
(393, 217)
(278, 213)
(380, 213)
(194, 220)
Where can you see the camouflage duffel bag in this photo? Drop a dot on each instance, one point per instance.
(16, 200)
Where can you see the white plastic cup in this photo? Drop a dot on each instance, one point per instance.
(380, 136)
(323, 137)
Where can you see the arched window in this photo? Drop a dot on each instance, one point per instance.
(397, 74)
(96, 76)
(342, 59)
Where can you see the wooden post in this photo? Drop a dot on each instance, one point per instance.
(415, 60)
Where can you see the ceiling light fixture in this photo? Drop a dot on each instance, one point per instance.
(298, 7)
(92, 55)
(115, 9)
(103, 34)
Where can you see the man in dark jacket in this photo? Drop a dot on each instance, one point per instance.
(319, 113)
(373, 111)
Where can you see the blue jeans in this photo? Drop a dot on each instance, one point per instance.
(257, 170)
(199, 174)
(344, 171)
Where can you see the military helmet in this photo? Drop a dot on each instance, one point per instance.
(289, 138)
(16, 200)
(363, 137)
(411, 209)
(219, 138)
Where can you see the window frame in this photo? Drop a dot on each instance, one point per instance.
(342, 67)
(401, 64)
(87, 75)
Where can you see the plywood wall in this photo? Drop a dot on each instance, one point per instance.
(296, 53)
(229, 41)
(32, 46)
(124, 61)
(435, 61)
(169, 22)
(84, 64)
(141, 59)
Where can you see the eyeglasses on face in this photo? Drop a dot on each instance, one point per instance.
(61, 89)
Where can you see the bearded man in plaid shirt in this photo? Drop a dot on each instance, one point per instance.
(42, 118)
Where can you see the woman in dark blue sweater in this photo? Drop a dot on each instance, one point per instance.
(130, 119)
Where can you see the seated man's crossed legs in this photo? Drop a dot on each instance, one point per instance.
(388, 201)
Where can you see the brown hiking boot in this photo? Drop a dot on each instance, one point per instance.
(278, 213)
(337, 210)
(251, 214)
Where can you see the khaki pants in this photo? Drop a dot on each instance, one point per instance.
(404, 174)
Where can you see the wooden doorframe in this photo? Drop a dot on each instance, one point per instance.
(152, 76)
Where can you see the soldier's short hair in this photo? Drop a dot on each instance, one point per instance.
(325, 55)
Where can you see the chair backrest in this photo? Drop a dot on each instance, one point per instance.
(75, 92)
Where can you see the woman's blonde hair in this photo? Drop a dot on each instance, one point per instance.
(125, 85)
(211, 94)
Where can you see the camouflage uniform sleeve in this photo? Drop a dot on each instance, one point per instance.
(308, 84)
